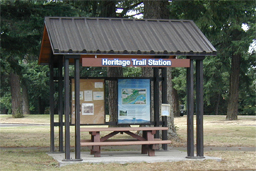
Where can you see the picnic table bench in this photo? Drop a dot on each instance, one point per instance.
(147, 140)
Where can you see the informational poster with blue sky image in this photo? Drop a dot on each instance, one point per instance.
(133, 101)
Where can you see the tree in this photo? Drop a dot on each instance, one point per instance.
(159, 10)
(108, 9)
(21, 33)
(221, 22)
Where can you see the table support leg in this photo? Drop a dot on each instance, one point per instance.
(95, 137)
(144, 148)
(151, 150)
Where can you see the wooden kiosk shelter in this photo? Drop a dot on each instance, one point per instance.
(75, 40)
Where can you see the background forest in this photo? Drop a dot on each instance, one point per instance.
(229, 77)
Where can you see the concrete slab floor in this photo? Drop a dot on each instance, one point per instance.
(124, 157)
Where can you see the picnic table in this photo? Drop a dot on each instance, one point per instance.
(147, 140)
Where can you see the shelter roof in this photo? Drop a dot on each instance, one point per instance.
(119, 36)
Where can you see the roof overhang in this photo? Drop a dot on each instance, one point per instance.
(117, 37)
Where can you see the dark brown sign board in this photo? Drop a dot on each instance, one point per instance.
(140, 62)
(92, 108)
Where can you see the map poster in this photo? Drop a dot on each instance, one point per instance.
(133, 101)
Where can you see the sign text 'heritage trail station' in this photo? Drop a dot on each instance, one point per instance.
(139, 62)
(136, 62)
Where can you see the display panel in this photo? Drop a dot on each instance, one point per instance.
(92, 105)
(133, 101)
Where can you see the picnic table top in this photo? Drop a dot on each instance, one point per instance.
(123, 129)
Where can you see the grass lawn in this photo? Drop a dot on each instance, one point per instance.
(217, 132)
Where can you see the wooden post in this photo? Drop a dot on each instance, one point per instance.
(190, 110)
(164, 100)
(156, 100)
(60, 103)
(51, 105)
(77, 109)
(199, 108)
(67, 108)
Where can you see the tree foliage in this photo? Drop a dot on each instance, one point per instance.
(21, 33)
(221, 21)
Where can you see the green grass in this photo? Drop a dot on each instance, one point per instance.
(217, 132)
(16, 159)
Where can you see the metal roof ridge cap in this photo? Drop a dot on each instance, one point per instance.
(119, 18)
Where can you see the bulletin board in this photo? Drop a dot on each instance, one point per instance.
(92, 105)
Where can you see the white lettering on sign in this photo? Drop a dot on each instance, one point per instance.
(115, 62)
(136, 62)
(159, 62)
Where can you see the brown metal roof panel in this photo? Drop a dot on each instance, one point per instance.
(51, 27)
(125, 39)
(112, 36)
(136, 36)
(86, 40)
(175, 36)
(161, 36)
(94, 35)
(152, 33)
(59, 31)
(194, 38)
(168, 36)
(201, 39)
(182, 38)
(189, 42)
(96, 31)
(72, 32)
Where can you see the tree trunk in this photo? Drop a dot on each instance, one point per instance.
(172, 134)
(148, 72)
(108, 9)
(41, 106)
(217, 105)
(112, 96)
(16, 95)
(25, 100)
(175, 103)
(232, 110)
(159, 10)
(156, 9)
